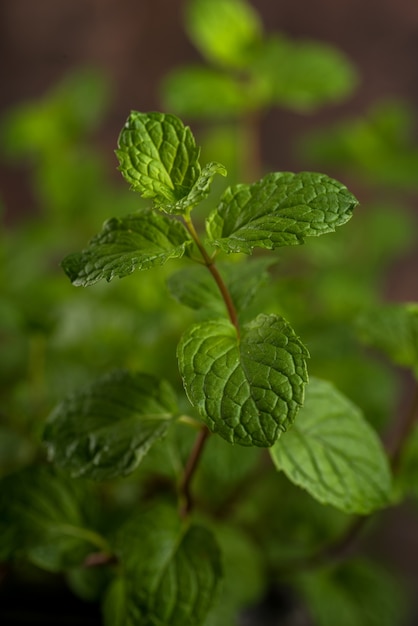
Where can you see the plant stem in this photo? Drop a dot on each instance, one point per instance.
(189, 470)
(99, 559)
(210, 264)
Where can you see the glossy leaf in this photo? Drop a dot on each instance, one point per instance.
(249, 389)
(158, 156)
(127, 244)
(198, 192)
(223, 30)
(279, 210)
(393, 329)
(104, 430)
(334, 454)
(172, 569)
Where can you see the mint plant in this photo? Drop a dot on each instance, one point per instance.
(193, 465)
(245, 380)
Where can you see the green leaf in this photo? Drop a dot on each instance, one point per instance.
(334, 454)
(279, 210)
(303, 75)
(194, 286)
(223, 30)
(249, 389)
(158, 156)
(48, 516)
(199, 191)
(393, 329)
(134, 242)
(104, 430)
(172, 569)
(244, 279)
(189, 91)
(358, 593)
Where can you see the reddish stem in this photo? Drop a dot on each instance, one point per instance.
(189, 470)
(215, 273)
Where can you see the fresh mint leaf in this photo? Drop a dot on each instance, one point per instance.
(172, 569)
(393, 329)
(303, 75)
(47, 518)
(198, 192)
(158, 156)
(279, 210)
(223, 30)
(334, 454)
(134, 242)
(248, 390)
(104, 430)
(194, 286)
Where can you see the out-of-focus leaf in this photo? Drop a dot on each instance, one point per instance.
(304, 75)
(393, 329)
(104, 430)
(353, 594)
(334, 454)
(223, 30)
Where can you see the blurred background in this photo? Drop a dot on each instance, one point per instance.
(136, 43)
